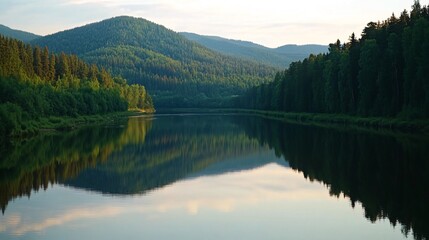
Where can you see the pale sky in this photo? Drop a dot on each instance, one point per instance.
(269, 22)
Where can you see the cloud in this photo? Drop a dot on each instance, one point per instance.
(313, 21)
(19, 228)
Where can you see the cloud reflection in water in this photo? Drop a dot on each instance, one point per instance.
(222, 193)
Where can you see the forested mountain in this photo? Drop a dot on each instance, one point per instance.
(384, 73)
(279, 57)
(180, 72)
(35, 83)
(17, 34)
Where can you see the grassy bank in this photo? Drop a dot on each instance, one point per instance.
(397, 124)
(377, 123)
(49, 124)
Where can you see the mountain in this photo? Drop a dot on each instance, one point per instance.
(279, 57)
(179, 72)
(17, 34)
(302, 50)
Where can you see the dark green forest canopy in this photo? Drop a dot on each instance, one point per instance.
(35, 83)
(174, 69)
(384, 73)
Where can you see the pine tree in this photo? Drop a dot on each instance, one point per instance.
(37, 61)
(45, 61)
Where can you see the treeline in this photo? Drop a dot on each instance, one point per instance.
(35, 83)
(385, 73)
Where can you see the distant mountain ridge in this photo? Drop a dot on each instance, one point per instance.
(17, 34)
(179, 72)
(279, 57)
(305, 49)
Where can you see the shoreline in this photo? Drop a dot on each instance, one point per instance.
(379, 124)
(56, 124)
(418, 126)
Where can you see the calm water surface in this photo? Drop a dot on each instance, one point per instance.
(214, 177)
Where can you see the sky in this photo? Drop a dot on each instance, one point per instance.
(269, 22)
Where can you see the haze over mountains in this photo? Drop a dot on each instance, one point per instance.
(17, 34)
(279, 57)
(178, 69)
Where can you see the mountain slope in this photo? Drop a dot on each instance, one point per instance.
(17, 34)
(279, 57)
(179, 72)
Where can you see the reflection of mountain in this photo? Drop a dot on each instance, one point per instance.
(175, 148)
(115, 160)
(47, 159)
(389, 176)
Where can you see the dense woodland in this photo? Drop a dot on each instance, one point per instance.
(177, 71)
(384, 73)
(35, 83)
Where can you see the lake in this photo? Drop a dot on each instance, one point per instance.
(192, 176)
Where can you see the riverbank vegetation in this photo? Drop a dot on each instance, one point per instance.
(36, 85)
(342, 120)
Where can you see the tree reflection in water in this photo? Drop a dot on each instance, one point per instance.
(387, 174)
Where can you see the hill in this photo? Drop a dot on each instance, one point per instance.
(279, 57)
(17, 34)
(176, 70)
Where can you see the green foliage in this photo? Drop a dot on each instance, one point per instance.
(164, 61)
(382, 74)
(10, 118)
(36, 84)
(368, 76)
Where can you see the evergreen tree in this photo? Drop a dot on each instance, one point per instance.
(37, 61)
(384, 73)
(34, 84)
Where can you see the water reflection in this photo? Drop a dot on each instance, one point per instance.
(389, 175)
(35, 164)
(169, 153)
(270, 202)
(196, 165)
